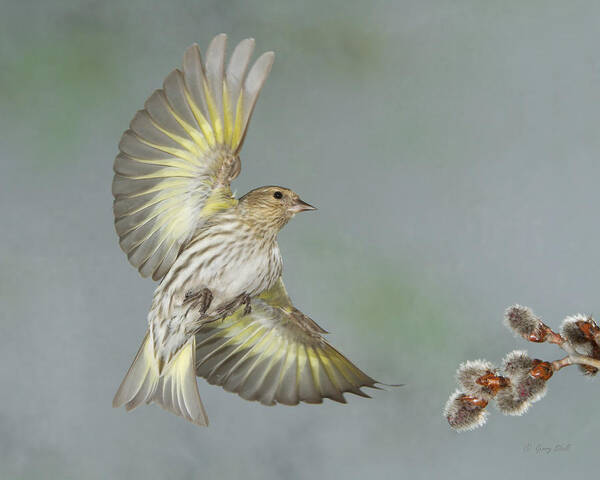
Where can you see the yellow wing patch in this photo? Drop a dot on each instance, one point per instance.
(181, 152)
(273, 356)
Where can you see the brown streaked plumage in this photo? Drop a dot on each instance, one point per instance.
(220, 310)
(263, 211)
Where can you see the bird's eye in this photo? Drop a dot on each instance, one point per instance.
(278, 195)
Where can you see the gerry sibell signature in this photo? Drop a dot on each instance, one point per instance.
(540, 449)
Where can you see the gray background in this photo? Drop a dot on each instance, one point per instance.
(452, 149)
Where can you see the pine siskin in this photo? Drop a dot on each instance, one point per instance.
(221, 310)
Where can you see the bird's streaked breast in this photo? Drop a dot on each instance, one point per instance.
(228, 258)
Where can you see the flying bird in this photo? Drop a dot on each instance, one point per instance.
(220, 310)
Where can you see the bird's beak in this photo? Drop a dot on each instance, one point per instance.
(300, 206)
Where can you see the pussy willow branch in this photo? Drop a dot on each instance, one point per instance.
(522, 379)
(575, 359)
(559, 340)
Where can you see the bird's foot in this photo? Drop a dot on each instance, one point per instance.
(201, 299)
(219, 313)
(246, 301)
(229, 308)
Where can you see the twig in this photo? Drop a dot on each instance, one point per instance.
(522, 380)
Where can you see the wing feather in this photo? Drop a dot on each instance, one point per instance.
(213, 84)
(174, 90)
(275, 354)
(249, 95)
(180, 153)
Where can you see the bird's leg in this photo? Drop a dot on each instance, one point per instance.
(243, 299)
(220, 312)
(201, 299)
(228, 309)
(246, 301)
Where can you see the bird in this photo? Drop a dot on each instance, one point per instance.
(220, 310)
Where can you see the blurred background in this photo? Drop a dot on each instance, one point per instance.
(452, 149)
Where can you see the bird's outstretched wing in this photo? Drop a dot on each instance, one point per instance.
(180, 153)
(275, 354)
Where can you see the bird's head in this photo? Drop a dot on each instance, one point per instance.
(270, 208)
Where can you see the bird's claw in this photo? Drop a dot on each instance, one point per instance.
(220, 313)
(243, 299)
(201, 299)
(246, 302)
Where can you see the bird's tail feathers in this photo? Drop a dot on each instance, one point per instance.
(175, 388)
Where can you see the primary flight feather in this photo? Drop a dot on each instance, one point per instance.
(221, 310)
